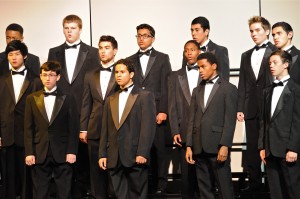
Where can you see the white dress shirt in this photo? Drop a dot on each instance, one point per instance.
(288, 48)
(49, 102)
(256, 58)
(277, 93)
(192, 76)
(208, 89)
(18, 81)
(71, 58)
(144, 60)
(104, 78)
(123, 96)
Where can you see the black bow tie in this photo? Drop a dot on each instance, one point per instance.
(106, 69)
(73, 46)
(203, 48)
(13, 72)
(280, 83)
(147, 52)
(191, 67)
(46, 94)
(211, 81)
(259, 47)
(126, 89)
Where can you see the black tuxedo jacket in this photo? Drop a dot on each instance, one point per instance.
(32, 63)
(250, 89)
(88, 59)
(12, 110)
(93, 103)
(133, 135)
(294, 70)
(155, 78)
(60, 134)
(179, 101)
(212, 126)
(281, 131)
(221, 53)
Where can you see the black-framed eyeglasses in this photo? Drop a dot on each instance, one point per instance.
(143, 36)
(48, 75)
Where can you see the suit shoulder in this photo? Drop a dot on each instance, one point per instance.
(56, 48)
(32, 56)
(162, 54)
(218, 46)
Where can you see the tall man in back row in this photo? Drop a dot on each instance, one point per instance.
(152, 70)
(75, 58)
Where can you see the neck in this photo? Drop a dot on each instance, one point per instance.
(126, 85)
(202, 42)
(282, 75)
(107, 64)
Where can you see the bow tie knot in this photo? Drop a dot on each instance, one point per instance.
(280, 83)
(126, 88)
(106, 69)
(210, 81)
(147, 53)
(260, 47)
(191, 67)
(13, 72)
(203, 48)
(46, 94)
(73, 46)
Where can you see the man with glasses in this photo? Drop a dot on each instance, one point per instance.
(152, 70)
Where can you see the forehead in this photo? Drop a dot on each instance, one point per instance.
(71, 24)
(275, 58)
(196, 26)
(143, 31)
(15, 52)
(203, 62)
(13, 33)
(278, 29)
(256, 25)
(190, 45)
(48, 72)
(105, 43)
(121, 67)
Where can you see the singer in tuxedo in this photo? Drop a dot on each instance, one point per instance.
(98, 86)
(210, 129)
(51, 135)
(15, 86)
(181, 85)
(15, 32)
(283, 33)
(128, 130)
(76, 59)
(152, 70)
(279, 137)
(200, 29)
(254, 77)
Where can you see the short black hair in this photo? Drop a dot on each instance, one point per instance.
(110, 39)
(202, 21)
(17, 45)
(148, 27)
(51, 66)
(128, 63)
(284, 56)
(194, 42)
(210, 57)
(15, 27)
(285, 26)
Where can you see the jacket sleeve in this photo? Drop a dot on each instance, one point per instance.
(172, 110)
(29, 127)
(86, 106)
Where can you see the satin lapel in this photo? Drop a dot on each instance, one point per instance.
(111, 84)
(10, 86)
(264, 63)
(212, 93)
(114, 106)
(59, 101)
(39, 100)
(129, 104)
(80, 60)
(201, 96)
(269, 103)
(294, 59)
(97, 83)
(249, 66)
(284, 97)
(150, 62)
(24, 87)
(183, 81)
(61, 56)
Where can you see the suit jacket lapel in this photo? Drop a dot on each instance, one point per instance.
(129, 104)
(39, 100)
(150, 62)
(114, 106)
(285, 95)
(201, 96)
(80, 60)
(294, 53)
(97, 83)
(212, 93)
(111, 84)
(59, 101)
(10, 86)
(249, 66)
(265, 59)
(61, 55)
(24, 87)
(184, 84)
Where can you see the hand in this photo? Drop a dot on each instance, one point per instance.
(161, 117)
(262, 154)
(71, 158)
(30, 160)
(189, 155)
(291, 156)
(83, 137)
(177, 140)
(140, 160)
(223, 154)
(102, 163)
(240, 116)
